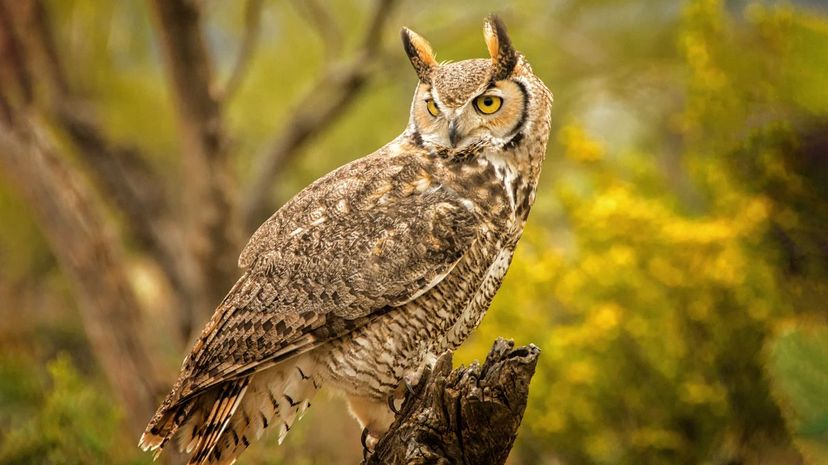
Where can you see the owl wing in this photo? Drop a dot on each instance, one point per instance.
(368, 237)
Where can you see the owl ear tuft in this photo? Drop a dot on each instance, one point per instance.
(420, 53)
(504, 56)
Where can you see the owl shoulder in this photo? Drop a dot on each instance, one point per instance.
(396, 177)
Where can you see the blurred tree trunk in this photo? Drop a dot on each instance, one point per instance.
(469, 415)
(211, 228)
(73, 176)
(92, 262)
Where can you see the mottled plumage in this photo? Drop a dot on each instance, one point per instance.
(371, 270)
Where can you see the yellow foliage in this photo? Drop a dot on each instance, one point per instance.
(651, 315)
(578, 145)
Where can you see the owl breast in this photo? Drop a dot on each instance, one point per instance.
(437, 321)
(372, 361)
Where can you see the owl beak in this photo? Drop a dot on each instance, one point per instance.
(454, 136)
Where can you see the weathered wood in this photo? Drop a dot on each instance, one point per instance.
(466, 416)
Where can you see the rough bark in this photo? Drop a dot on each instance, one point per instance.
(466, 416)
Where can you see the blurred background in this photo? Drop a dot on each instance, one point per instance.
(674, 270)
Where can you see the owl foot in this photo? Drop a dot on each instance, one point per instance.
(401, 393)
(409, 386)
(412, 379)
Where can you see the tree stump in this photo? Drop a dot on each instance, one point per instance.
(466, 416)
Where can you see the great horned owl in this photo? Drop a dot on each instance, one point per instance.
(371, 270)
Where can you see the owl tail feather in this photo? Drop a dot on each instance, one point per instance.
(275, 398)
(204, 441)
(168, 419)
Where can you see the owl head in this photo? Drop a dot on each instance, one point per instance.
(477, 101)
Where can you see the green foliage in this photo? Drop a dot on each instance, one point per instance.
(74, 423)
(18, 389)
(799, 372)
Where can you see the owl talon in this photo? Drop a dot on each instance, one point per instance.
(392, 405)
(363, 439)
(369, 442)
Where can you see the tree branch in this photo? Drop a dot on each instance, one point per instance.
(213, 232)
(135, 189)
(469, 415)
(250, 41)
(328, 98)
(91, 260)
(326, 28)
(44, 44)
(14, 71)
(119, 172)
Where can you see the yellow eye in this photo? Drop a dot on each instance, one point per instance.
(488, 104)
(432, 107)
